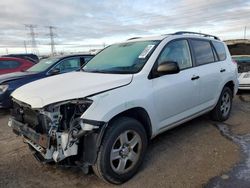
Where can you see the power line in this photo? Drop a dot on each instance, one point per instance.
(245, 31)
(32, 35)
(52, 41)
(25, 46)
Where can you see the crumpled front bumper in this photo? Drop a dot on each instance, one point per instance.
(40, 142)
(55, 150)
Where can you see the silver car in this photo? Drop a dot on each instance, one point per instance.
(243, 62)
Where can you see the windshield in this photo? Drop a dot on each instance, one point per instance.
(43, 65)
(242, 59)
(123, 58)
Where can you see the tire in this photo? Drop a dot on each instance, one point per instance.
(221, 111)
(128, 153)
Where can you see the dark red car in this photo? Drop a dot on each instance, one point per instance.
(11, 64)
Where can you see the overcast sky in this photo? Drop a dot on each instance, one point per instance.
(80, 23)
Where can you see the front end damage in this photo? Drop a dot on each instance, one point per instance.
(57, 132)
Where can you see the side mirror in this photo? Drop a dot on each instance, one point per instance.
(54, 71)
(168, 67)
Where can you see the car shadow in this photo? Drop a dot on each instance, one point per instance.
(243, 92)
(4, 112)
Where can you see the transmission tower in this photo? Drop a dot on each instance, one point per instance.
(32, 35)
(52, 41)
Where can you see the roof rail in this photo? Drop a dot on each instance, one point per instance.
(195, 33)
(133, 38)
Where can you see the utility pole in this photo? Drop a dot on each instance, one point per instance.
(52, 41)
(245, 32)
(7, 51)
(25, 46)
(32, 35)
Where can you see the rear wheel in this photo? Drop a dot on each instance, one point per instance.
(122, 151)
(223, 108)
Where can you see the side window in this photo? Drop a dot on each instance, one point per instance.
(88, 58)
(220, 49)
(202, 51)
(9, 64)
(68, 65)
(177, 51)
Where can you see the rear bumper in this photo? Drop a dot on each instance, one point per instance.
(244, 87)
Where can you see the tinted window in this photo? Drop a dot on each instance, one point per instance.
(9, 64)
(85, 59)
(69, 65)
(88, 58)
(202, 51)
(177, 51)
(220, 49)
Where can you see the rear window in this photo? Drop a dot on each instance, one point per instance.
(8, 64)
(202, 51)
(220, 49)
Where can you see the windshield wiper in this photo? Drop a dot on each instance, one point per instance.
(95, 71)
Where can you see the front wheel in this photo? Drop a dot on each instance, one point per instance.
(122, 151)
(223, 108)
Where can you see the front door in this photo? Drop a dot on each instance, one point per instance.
(176, 95)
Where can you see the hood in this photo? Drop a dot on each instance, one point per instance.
(14, 76)
(68, 86)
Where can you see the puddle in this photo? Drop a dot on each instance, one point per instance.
(239, 176)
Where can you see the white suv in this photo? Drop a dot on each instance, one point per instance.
(104, 116)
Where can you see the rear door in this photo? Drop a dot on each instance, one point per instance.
(209, 67)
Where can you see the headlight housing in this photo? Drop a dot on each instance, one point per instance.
(3, 88)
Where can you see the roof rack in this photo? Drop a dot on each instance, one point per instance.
(195, 33)
(133, 38)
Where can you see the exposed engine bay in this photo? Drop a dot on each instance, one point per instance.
(57, 131)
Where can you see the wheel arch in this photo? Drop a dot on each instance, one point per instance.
(230, 85)
(140, 114)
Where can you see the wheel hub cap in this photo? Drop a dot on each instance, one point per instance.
(225, 104)
(125, 151)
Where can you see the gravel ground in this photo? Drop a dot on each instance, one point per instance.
(196, 154)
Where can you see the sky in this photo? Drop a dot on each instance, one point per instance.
(81, 25)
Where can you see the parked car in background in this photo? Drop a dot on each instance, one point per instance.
(12, 64)
(31, 57)
(243, 62)
(45, 68)
(104, 116)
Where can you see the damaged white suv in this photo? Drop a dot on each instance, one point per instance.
(104, 115)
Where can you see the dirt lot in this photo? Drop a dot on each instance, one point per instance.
(197, 154)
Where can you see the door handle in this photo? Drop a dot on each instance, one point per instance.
(222, 70)
(195, 78)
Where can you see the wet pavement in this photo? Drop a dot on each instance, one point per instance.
(239, 175)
